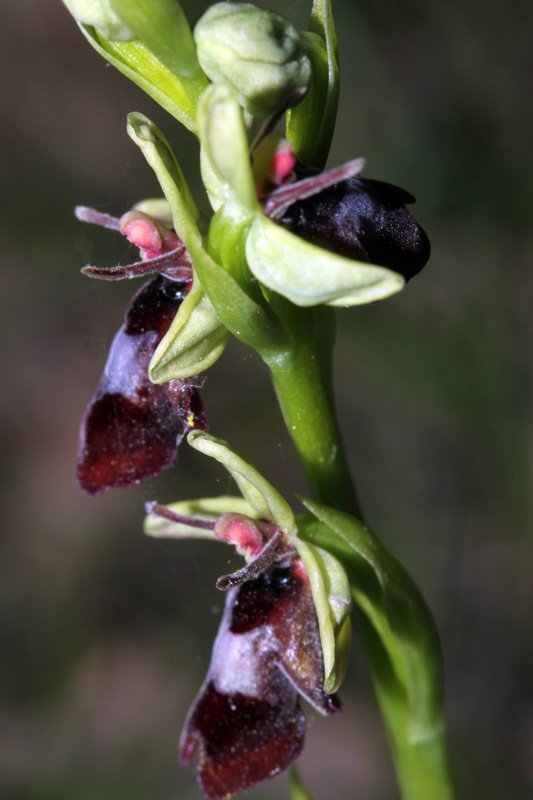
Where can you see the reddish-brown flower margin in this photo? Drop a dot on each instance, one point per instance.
(132, 427)
(246, 721)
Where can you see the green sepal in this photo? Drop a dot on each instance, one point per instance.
(141, 66)
(194, 341)
(216, 188)
(247, 320)
(266, 501)
(308, 275)
(224, 140)
(408, 661)
(206, 508)
(101, 15)
(331, 595)
(160, 157)
(227, 236)
(162, 26)
(310, 125)
(156, 207)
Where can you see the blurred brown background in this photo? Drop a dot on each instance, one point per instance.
(105, 635)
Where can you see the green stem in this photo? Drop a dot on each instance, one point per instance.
(422, 769)
(302, 380)
(298, 789)
(421, 763)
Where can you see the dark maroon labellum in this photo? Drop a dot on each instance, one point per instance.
(131, 428)
(365, 220)
(246, 720)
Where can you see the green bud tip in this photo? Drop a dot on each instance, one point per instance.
(100, 15)
(258, 53)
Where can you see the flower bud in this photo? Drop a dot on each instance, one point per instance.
(100, 14)
(258, 53)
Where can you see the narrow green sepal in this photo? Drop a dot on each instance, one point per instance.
(399, 617)
(310, 125)
(245, 319)
(332, 598)
(308, 275)
(266, 501)
(141, 66)
(162, 26)
(216, 188)
(156, 207)
(101, 15)
(227, 236)
(224, 140)
(160, 157)
(194, 341)
(205, 508)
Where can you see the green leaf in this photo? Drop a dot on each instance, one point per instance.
(332, 599)
(162, 26)
(194, 341)
(206, 508)
(160, 157)
(141, 66)
(257, 491)
(309, 275)
(311, 124)
(398, 615)
(224, 139)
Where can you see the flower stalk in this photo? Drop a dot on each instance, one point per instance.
(302, 379)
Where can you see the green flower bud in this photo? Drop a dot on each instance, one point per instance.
(100, 15)
(258, 53)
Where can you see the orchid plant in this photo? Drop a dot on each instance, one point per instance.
(287, 242)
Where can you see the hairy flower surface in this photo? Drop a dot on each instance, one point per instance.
(131, 428)
(359, 218)
(246, 721)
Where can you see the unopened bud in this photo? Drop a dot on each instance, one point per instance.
(258, 53)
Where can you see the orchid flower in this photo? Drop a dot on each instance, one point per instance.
(131, 428)
(284, 634)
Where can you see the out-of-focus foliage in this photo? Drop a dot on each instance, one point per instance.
(103, 632)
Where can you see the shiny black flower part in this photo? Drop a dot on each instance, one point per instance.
(363, 219)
